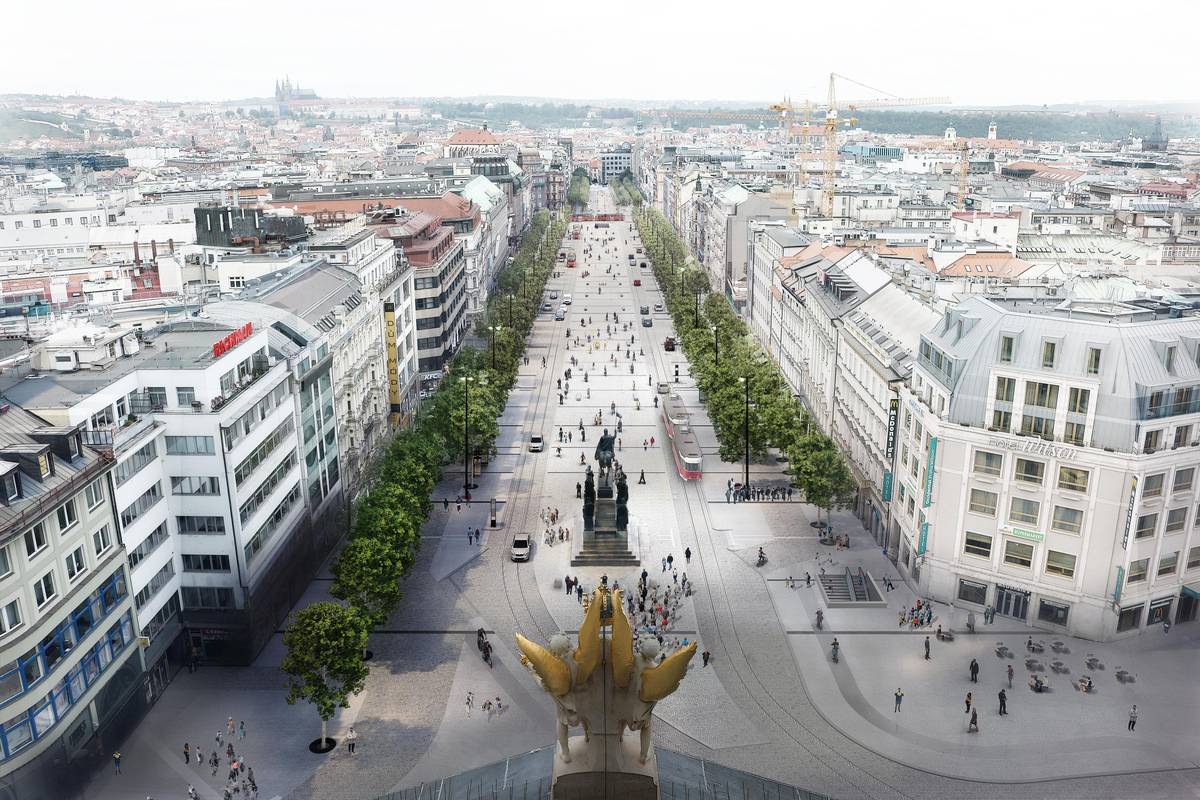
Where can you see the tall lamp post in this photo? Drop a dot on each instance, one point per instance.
(493, 329)
(716, 347)
(510, 309)
(746, 428)
(696, 320)
(466, 381)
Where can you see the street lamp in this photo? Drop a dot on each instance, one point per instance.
(696, 320)
(716, 347)
(493, 329)
(466, 381)
(746, 428)
(510, 309)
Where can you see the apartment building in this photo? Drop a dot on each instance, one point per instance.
(615, 162)
(70, 667)
(226, 476)
(1047, 464)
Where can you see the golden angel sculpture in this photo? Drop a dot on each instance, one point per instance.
(605, 685)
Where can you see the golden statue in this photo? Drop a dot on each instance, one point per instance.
(605, 678)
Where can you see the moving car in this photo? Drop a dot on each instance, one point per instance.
(658, 307)
(521, 547)
(663, 387)
(536, 443)
(669, 344)
(560, 315)
(647, 322)
(637, 281)
(566, 299)
(547, 307)
(553, 294)
(644, 310)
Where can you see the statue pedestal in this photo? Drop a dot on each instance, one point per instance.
(606, 768)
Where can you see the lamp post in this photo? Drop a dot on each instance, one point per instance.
(510, 309)
(696, 320)
(746, 428)
(716, 347)
(466, 381)
(493, 329)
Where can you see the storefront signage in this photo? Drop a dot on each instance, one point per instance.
(1036, 447)
(233, 340)
(1021, 533)
(393, 361)
(924, 539)
(887, 487)
(893, 418)
(929, 465)
(1120, 583)
(1129, 513)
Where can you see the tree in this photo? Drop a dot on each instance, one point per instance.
(324, 664)
(822, 475)
(367, 576)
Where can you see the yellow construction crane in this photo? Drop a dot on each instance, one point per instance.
(833, 122)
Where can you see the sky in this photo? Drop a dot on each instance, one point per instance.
(977, 53)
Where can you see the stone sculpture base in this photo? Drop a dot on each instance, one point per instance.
(606, 769)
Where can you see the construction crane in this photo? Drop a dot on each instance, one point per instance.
(833, 121)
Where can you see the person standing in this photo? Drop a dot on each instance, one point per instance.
(351, 740)
(687, 555)
(1133, 715)
(973, 725)
(187, 753)
(670, 560)
(116, 756)
(974, 671)
(1003, 703)
(706, 656)
(242, 729)
(1010, 675)
(926, 648)
(968, 703)
(899, 699)
(470, 703)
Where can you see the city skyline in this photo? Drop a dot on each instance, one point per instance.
(970, 56)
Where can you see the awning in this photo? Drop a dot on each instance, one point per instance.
(1192, 591)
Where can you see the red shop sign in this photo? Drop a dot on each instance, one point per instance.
(233, 340)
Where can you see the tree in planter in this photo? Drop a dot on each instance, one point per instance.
(822, 474)
(324, 665)
(367, 574)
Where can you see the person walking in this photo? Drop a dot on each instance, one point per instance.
(1003, 703)
(1132, 724)
(899, 699)
(1010, 675)
(351, 740)
(973, 725)
(116, 756)
(470, 703)
(242, 729)
(687, 555)
(187, 753)
(445, 504)
(706, 656)
(974, 671)
(229, 727)
(968, 703)
(670, 560)
(926, 648)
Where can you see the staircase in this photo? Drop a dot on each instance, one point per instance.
(604, 549)
(850, 588)
(837, 588)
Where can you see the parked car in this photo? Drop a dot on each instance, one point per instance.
(644, 310)
(647, 322)
(566, 299)
(560, 315)
(658, 307)
(536, 443)
(553, 294)
(522, 546)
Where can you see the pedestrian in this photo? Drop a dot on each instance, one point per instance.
(567, 583)
(670, 560)
(974, 671)
(1003, 703)
(687, 555)
(664, 565)
(1010, 675)
(926, 648)
(445, 503)
(973, 725)
(470, 703)
(645, 445)
(351, 740)
(242, 729)
(116, 756)
(579, 489)
(899, 699)
(187, 753)
(458, 503)
(706, 656)
(499, 706)
(213, 762)
(642, 477)
(807, 580)
(478, 534)
(652, 441)
(470, 533)
(1132, 725)
(199, 756)
(728, 495)
(229, 727)
(968, 703)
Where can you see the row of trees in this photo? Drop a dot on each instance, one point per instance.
(577, 192)
(731, 369)
(326, 642)
(625, 191)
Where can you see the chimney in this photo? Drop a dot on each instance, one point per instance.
(153, 250)
(137, 259)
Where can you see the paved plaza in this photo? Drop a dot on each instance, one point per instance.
(771, 703)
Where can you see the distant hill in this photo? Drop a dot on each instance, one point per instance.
(17, 124)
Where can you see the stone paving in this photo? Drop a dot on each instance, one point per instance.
(771, 703)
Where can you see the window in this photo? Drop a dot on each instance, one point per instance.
(101, 539)
(1182, 434)
(94, 493)
(1073, 433)
(135, 463)
(12, 486)
(1049, 353)
(5, 563)
(1077, 400)
(1062, 564)
(1006, 349)
(1042, 395)
(1019, 554)
(1030, 471)
(1193, 557)
(1006, 389)
(185, 395)
(207, 597)
(43, 589)
(1037, 426)
(1054, 613)
(1002, 420)
(1073, 479)
(1146, 525)
(983, 502)
(263, 450)
(67, 515)
(1024, 512)
(205, 562)
(1067, 520)
(1183, 479)
(200, 525)
(160, 579)
(1093, 361)
(1137, 570)
(1130, 618)
(35, 539)
(988, 463)
(149, 544)
(269, 484)
(1168, 564)
(269, 528)
(139, 506)
(76, 564)
(1152, 441)
(190, 446)
(10, 617)
(195, 485)
(1176, 520)
(978, 544)
(1153, 487)
(972, 592)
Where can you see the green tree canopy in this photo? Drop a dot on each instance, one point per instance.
(324, 661)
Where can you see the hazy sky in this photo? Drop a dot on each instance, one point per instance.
(1049, 51)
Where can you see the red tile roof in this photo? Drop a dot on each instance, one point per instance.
(477, 136)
